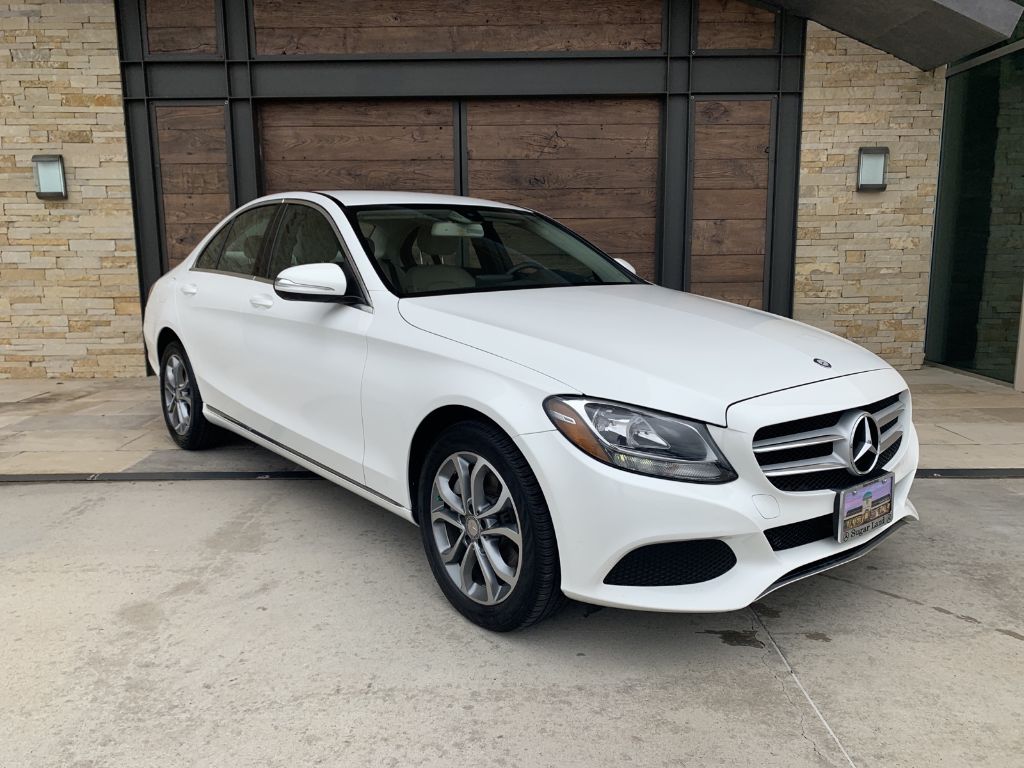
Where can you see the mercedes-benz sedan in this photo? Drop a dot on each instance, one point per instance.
(554, 424)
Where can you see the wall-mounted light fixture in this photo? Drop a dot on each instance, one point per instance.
(871, 166)
(49, 174)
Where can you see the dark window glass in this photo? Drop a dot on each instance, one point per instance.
(211, 253)
(444, 249)
(974, 308)
(304, 236)
(242, 248)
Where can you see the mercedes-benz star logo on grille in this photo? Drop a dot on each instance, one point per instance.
(864, 444)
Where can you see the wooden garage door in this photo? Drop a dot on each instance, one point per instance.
(445, 26)
(590, 163)
(407, 145)
(731, 144)
(192, 151)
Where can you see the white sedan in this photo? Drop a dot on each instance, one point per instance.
(554, 424)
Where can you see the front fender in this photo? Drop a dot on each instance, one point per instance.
(411, 373)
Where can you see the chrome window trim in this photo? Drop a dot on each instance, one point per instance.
(227, 223)
(304, 457)
(222, 274)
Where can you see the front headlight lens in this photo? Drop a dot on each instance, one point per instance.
(639, 440)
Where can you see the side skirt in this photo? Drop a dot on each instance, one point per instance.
(221, 419)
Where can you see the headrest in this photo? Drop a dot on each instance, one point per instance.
(434, 245)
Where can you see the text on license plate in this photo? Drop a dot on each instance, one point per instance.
(864, 508)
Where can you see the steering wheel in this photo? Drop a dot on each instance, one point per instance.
(534, 267)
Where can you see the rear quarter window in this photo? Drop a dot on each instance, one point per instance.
(211, 253)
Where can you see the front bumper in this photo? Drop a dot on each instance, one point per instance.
(601, 513)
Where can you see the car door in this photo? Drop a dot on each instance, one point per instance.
(307, 357)
(213, 301)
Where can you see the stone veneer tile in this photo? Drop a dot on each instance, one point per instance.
(862, 259)
(69, 303)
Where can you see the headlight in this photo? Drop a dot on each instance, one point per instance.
(640, 441)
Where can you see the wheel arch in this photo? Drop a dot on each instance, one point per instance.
(165, 337)
(432, 425)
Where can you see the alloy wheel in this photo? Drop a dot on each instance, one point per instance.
(476, 528)
(177, 394)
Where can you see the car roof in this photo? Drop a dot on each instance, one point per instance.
(376, 197)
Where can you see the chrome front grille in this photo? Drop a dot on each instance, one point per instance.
(813, 453)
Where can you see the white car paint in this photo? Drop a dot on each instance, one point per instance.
(342, 389)
(668, 350)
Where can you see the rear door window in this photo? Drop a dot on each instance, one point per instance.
(211, 253)
(245, 241)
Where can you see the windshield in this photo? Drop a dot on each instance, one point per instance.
(428, 249)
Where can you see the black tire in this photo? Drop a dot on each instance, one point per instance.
(199, 433)
(536, 593)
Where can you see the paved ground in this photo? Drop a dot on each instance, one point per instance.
(111, 426)
(289, 623)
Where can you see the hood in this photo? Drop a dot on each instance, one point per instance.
(643, 344)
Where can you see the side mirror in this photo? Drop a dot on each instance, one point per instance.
(313, 282)
(627, 265)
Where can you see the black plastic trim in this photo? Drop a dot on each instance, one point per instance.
(673, 564)
(302, 456)
(827, 563)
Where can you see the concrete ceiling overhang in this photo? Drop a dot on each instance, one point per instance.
(926, 33)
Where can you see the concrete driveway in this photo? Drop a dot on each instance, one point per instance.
(289, 623)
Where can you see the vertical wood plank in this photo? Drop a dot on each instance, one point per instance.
(730, 199)
(591, 163)
(192, 154)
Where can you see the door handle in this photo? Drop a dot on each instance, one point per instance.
(261, 301)
(190, 289)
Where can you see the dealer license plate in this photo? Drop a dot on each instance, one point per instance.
(864, 508)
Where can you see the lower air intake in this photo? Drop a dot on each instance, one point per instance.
(672, 564)
(798, 534)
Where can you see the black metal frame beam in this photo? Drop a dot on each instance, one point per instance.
(240, 79)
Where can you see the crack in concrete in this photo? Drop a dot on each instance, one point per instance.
(772, 670)
(944, 611)
(807, 696)
(1011, 633)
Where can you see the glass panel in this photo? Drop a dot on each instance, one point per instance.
(978, 270)
(211, 253)
(243, 245)
(440, 249)
(303, 237)
(872, 168)
(49, 176)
